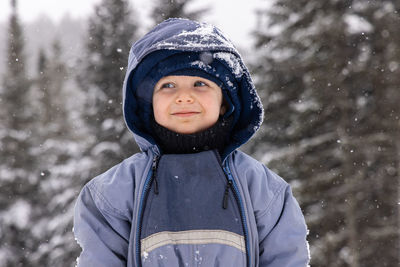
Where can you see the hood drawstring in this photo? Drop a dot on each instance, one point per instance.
(154, 173)
(229, 184)
(226, 195)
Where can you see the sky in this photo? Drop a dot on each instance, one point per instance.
(236, 18)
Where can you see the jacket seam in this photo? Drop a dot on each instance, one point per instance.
(269, 205)
(109, 208)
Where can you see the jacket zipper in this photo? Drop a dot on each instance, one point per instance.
(150, 176)
(231, 184)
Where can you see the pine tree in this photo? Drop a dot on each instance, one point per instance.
(18, 180)
(111, 32)
(52, 74)
(15, 80)
(52, 216)
(164, 9)
(328, 73)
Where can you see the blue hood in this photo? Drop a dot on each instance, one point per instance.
(182, 35)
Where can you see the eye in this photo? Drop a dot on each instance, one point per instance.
(167, 85)
(200, 83)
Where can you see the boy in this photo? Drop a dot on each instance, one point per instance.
(190, 198)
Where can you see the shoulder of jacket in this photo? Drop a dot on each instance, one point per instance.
(245, 163)
(113, 190)
(122, 170)
(264, 186)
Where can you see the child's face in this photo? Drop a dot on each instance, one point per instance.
(187, 104)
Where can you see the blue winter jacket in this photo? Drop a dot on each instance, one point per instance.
(200, 209)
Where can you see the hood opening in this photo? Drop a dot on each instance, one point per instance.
(227, 67)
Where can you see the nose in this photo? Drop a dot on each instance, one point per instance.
(184, 97)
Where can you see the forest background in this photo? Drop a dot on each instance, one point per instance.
(327, 71)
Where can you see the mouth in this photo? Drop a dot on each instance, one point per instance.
(185, 113)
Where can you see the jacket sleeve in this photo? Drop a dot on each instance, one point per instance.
(101, 230)
(283, 239)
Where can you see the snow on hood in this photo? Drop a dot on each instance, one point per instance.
(186, 35)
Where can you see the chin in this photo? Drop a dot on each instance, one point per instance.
(187, 130)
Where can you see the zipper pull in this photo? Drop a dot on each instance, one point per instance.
(226, 195)
(154, 174)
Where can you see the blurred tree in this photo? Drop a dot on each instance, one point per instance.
(111, 31)
(17, 176)
(58, 186)
(15, 83)
(165, 9)
(329, 76)
(52, 74)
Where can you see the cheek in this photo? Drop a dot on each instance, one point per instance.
(213, 107)
(159, 109)
(217, 103)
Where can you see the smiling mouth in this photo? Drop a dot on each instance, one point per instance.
(185, 114)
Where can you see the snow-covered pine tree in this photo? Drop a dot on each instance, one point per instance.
(112, 28)
(328, 73)
(164, 9)
(18, 180)
(60, 163)
(51, 76)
